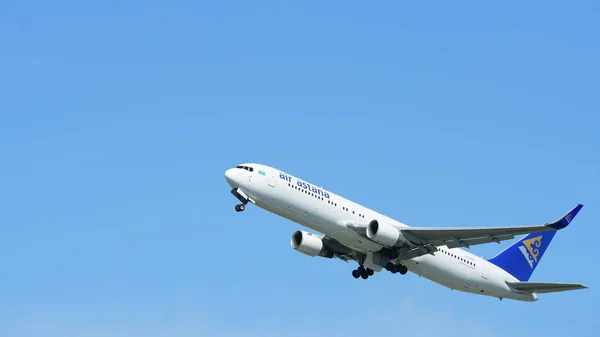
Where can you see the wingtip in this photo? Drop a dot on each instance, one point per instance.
(566, 219)
(575, 210)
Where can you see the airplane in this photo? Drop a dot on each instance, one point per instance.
(351, 232)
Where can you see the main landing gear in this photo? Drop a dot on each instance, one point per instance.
(362, 272)
(396, 268)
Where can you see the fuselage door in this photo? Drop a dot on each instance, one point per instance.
(272, 178)
(485, 271)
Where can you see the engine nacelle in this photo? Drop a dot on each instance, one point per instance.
(385, 234)
(309, 244)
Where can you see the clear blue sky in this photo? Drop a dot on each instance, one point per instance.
(118, 120)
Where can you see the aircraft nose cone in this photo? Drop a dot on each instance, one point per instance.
(230, 176)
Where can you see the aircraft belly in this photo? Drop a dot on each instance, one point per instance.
(304, 212)
(436, 269)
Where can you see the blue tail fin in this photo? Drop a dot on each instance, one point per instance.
(523, 256)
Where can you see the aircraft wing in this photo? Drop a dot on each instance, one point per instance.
(544, 287)
(340, 250)
(466, 237)
(470, 236)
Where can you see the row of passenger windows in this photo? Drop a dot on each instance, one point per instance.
(321, 198)
(247, 168)
(309, 193)
(353, 212)
(457, 257)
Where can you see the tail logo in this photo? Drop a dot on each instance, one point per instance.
(531, 249)
(569, 217)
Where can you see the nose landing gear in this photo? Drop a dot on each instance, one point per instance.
(241, 196)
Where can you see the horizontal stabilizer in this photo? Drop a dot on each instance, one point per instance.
(544, 287)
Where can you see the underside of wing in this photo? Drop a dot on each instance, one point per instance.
(340, 250)
(544, 287)
(466, 237)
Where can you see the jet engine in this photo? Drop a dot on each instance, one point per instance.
(309, 244)
(385, 234)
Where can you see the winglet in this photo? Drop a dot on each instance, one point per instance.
(566, 219)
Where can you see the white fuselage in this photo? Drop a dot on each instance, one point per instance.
(325, 212)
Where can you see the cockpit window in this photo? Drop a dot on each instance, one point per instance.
(247, 168)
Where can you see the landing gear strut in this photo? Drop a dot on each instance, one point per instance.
(242, 197)
(362, 272)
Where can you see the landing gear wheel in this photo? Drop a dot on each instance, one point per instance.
(361, 269)
(240, 208)
(402, 269)
(355, 273)
(364, 275)
(370, 272)
(394, 269)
